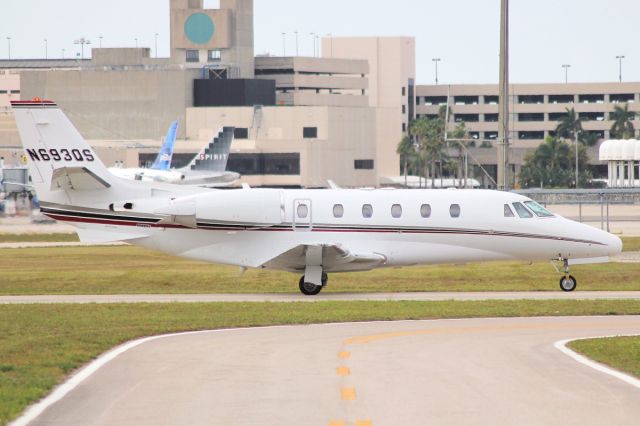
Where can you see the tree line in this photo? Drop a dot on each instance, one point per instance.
(426, 152)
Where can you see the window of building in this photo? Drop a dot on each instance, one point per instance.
(474, 135)
(466, 100)
(560, 99)
(491, 118)
(367, 211)
(213, 55)
(338, 210)
(404, 91)
(491, 135)
(557, 116)
(621, 98)
(467, 118)
(241, 133)
(2, 92)
(396, 211)
(522, 211)
(302, 211)
(507, 211)
(491, 100)
(363, 164)
(531, 99)
(285, 164)
(531, 116)
(310, 132)
(404, 109)
(591, 99)
(193, 56)
(404, 127)
(454, 210)
(592, 116)
(435, 100)
(425, 211)
(531, 135)
(538, 209)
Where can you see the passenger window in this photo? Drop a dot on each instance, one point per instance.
(508, 212)
(396, 210)
(367, 211)
(454, 210)
(302, 211)
(538, 209)
(338, 211)
(425, 210)
(522, 210)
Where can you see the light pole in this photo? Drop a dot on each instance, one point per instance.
(620, 58)
(566, 72)
(435, 61)
(9, 45)
(63, 53)
(317, 43)
(284, 44)
(136, 40)
(100, 37)
(82, 41)
(45, 49)
(313, 38)
(297, 51)
(575, 135)
(330, 44)
(156, 44)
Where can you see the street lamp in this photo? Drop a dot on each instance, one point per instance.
(435, 61)
(63, 53)
(9, 44)
(100, 37)
(620, 58)
(136, 39)
(156, 43)
(566, 72)
(82, 41)
(313, 38)
(45, 49)
(284, 44)
(297, 51)
(330, 44)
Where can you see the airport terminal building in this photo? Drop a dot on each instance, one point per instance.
(299, 121)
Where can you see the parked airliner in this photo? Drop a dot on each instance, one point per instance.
(208, 168)
(311, 232)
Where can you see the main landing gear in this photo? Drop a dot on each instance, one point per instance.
(311, 289)
(567, 282)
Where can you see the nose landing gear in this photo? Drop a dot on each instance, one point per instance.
(567, 282)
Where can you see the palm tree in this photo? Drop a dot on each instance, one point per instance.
(407, 151)
(569, 125)
(622, 127)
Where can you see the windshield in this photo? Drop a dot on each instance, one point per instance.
(538, 209)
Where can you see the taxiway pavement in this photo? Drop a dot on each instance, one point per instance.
(470, 371)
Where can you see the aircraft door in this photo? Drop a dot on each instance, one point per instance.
(302, 217)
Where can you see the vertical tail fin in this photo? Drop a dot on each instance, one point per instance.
(214, 156)
(163, 160)
(58, 156)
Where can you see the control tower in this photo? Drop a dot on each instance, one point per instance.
(219, 39)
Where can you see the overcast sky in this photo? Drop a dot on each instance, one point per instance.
(587, 34)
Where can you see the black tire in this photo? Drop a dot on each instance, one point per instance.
(309, 289)
(568, 284)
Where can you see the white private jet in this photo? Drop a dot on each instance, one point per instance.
(208, 168)
(311, 232)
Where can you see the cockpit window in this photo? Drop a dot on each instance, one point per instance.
(507, 211)
(538, 209)
(522, 210)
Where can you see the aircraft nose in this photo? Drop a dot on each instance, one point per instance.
(615, 244)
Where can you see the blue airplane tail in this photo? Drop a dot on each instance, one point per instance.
(163, 160)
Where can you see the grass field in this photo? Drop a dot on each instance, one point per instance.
(621, 353)
(42, 344)
(128, 269)
(38, 238)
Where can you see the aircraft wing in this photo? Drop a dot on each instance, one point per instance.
(335, 258)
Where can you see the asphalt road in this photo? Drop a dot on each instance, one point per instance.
(473, 371)
(297, 297)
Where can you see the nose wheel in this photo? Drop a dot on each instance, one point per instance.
(567, 282)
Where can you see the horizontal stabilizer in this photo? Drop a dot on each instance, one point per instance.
(76, 178)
